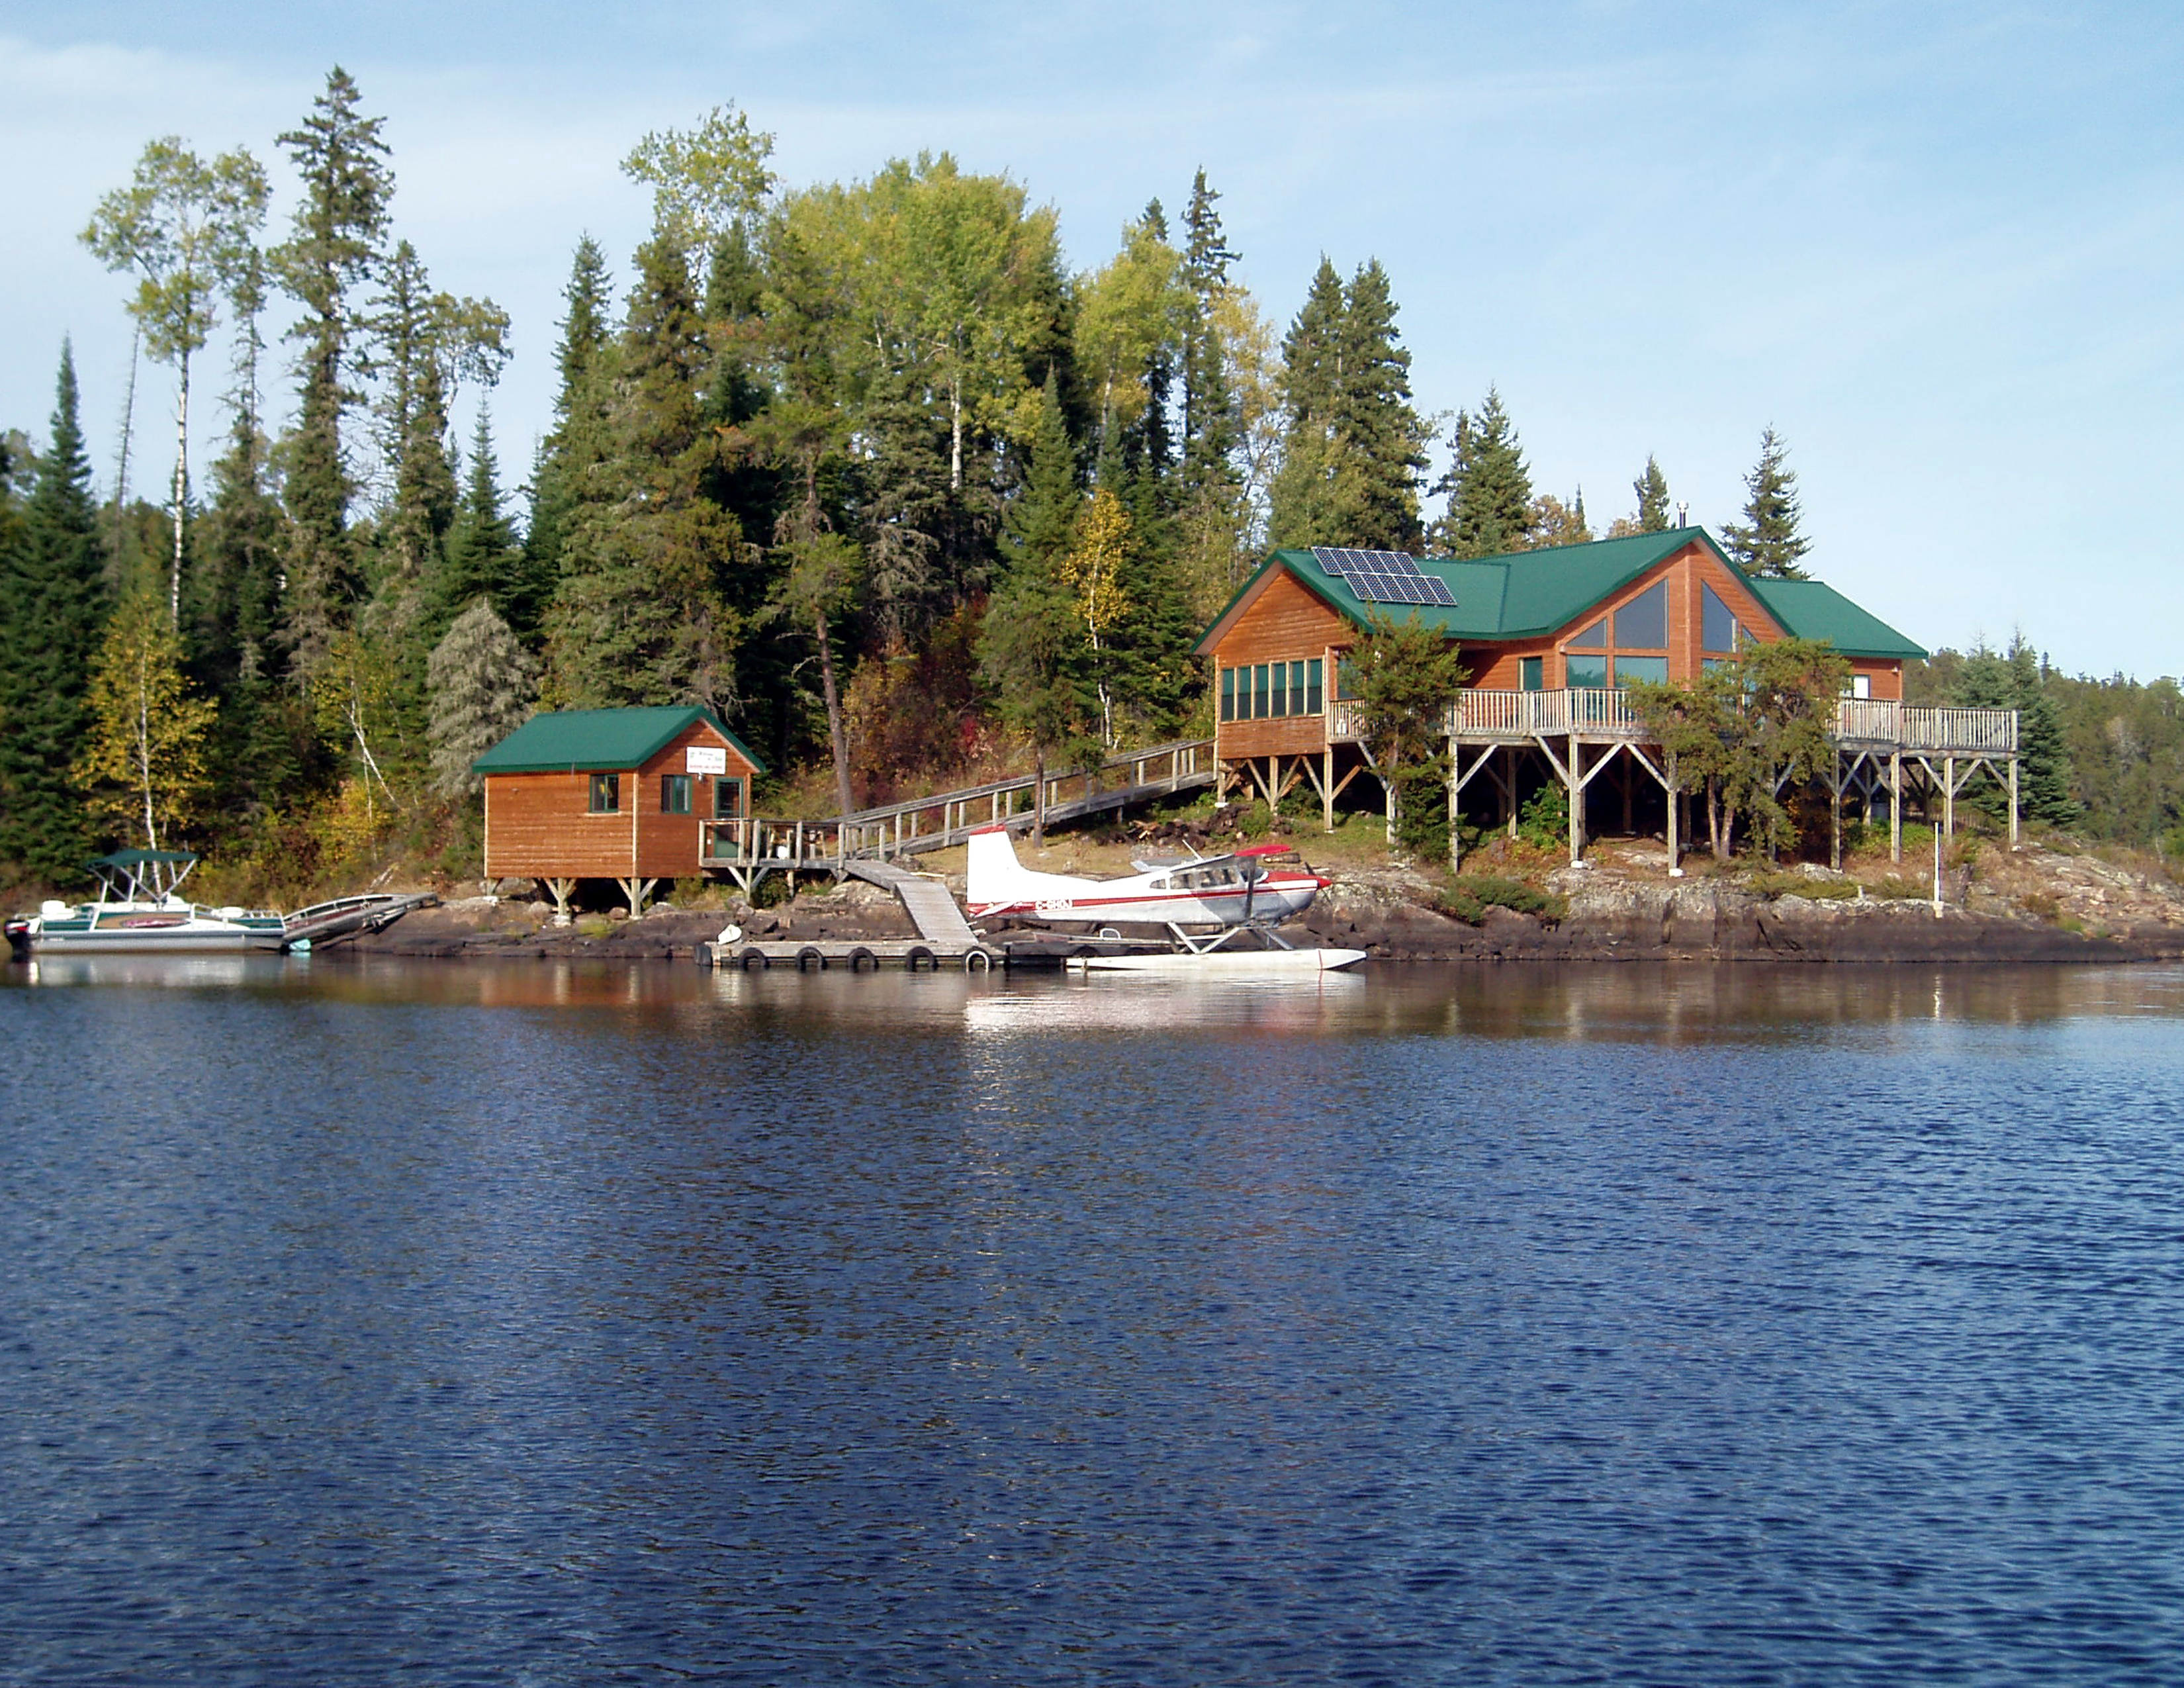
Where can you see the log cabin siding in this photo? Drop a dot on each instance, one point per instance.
(668, 846)
(1281, 621)
(540, 825)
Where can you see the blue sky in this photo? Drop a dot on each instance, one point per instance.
(1939, 247)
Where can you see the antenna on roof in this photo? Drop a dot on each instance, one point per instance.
(1683, 513)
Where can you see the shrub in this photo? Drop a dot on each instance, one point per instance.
(1773, 885)
(1544, 819)
(1468, 898)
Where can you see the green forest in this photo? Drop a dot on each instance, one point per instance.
(863, 466)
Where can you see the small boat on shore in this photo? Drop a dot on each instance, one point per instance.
(138, 912)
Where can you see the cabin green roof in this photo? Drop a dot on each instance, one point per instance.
(597, 740)
(1528, 594)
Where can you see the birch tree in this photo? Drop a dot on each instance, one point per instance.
(143, 758)
(187, 229)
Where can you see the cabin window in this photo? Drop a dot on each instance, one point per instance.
(675, 793)
(1259, 710)
(1227, 694)
(1717, 627)
(1858, 686)
(728, 800)
(1531, 673)
(1630, 670)
(1346, 678)
(1585, 670)
(1643, 624)
(606, 794)
(1281, 690)
(1593, 638)
(1315, 702)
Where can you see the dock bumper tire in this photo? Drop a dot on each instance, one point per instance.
(977, 962)
(861, 958)
(810, 957)
(920, 957)
(752, 958)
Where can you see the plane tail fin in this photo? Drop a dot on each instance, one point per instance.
(993, 873)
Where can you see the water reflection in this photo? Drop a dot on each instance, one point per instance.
(1653, 1003)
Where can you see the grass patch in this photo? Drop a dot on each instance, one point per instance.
(1773, 885)
(1468, 897)
(1900, 889)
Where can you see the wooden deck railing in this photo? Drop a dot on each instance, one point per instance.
(1599, 713)
(924, 824)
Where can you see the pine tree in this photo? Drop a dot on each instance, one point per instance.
(578, 442)
(483, 560)
(52, 604)
(483, 686)
(1305, 503)
(414, 421)
(1209, 402)
(340, 222)
(2017, 679)
(1373, 417)
(1032, 657)
(1652, 489)
(1767, 541)
(1490, 506)
(638, 617)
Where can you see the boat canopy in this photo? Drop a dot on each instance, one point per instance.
(142, 858)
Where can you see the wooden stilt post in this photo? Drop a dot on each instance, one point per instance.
(1834, 815)
(1576, 782)
(1675, 799)
(1895, 806)
(1949, 799)
(1327, 788)
(2013, 803)
(561, 890)
(1455, 803)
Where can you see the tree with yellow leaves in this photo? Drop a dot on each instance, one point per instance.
(144, 760)
(1092, 571)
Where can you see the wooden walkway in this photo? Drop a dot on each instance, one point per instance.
(746, 851)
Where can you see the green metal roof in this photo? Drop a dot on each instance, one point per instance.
(1812, 609)
(1526, 594)
(588, 740)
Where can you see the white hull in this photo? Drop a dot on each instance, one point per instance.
(195, 939)
(1224, 963)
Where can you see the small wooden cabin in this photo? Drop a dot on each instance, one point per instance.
(633, 795)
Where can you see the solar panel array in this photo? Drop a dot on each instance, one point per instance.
(1383, 577)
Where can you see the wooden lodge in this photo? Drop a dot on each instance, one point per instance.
(1549, 638)
(632, 795)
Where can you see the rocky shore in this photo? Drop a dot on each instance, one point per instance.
(2034, 905)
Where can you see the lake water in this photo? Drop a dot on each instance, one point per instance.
(528, 1324)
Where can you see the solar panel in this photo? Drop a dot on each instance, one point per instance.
(1383, 577)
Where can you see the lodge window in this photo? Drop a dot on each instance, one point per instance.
(607, 794)
(728, 800)
(675, 793)
(1531, 673)
(1636, 649)
(1266, 690)
(1719, 633)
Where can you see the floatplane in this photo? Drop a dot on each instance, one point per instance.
(1205, 901)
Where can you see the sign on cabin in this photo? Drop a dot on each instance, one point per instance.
(707, 759)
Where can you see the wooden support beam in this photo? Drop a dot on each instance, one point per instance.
(1895, 806)
(1578, 781)
(1327, 790)
(2013, 803)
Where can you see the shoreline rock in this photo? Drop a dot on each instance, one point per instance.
(1611, 915)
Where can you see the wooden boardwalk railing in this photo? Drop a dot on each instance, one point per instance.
(947, 817)
(1591, 712)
